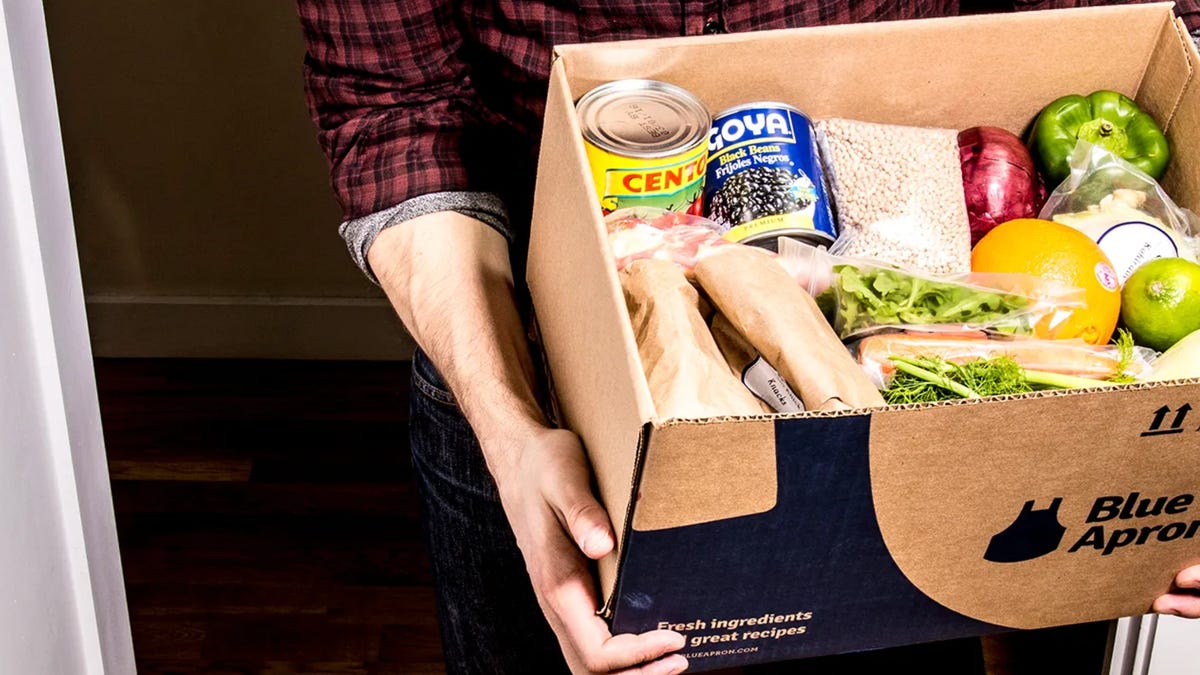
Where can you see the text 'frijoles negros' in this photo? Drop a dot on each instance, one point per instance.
(1112, 510)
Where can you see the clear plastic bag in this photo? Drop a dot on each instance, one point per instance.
(861, 297)
(641, 232)
(898, 193)
(1074, 358)
(1123, 209)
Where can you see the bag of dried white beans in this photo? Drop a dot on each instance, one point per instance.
(898, 194)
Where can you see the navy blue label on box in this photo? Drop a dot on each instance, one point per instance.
(812, 576)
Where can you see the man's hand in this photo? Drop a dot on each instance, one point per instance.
(555, 517)
(449, 278)
(1184, 598)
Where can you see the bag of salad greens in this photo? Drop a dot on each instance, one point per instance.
(861, 296)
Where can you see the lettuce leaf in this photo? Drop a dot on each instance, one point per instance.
(878, 297)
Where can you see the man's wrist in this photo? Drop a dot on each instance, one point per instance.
(360, 233)
(504, 451)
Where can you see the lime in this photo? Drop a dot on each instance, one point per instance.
(1160, 303)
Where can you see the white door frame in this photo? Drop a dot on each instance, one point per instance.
(1155, 645)
(62, 598)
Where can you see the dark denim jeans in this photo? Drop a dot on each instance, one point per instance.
(489, 617)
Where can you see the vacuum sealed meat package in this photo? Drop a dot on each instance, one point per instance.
(638, 233)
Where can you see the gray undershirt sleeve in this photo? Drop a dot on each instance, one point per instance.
(360, 233)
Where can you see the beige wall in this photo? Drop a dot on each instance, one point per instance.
(205, 222)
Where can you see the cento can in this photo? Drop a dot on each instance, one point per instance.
(646, 143)
(764, 177)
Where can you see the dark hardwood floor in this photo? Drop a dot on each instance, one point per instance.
(267, 517)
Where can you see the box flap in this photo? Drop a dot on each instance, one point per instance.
(696, 472)
(1168, 74)
(899, 72)
(1042, 511)
(1182, 180)
(585, 329)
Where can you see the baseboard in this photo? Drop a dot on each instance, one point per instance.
(251, 328)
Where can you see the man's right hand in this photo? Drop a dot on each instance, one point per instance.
(557, 522)
(449, 278)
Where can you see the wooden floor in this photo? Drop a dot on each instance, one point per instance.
(267, 518)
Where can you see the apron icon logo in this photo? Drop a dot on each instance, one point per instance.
(1032, 535)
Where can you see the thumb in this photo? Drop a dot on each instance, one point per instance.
(582, 516)
(588, 524)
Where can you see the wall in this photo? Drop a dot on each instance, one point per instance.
(205, 222)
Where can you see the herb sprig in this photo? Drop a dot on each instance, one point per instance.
(929, 378)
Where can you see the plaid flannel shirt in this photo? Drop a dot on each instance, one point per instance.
(429, 105)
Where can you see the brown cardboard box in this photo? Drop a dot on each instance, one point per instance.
(774, 537)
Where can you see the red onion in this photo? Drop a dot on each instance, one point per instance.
(999, 180)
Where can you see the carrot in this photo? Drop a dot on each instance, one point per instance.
(1066, 357)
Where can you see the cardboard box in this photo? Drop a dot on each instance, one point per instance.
(779, 537)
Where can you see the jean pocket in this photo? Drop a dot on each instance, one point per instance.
(427, 381)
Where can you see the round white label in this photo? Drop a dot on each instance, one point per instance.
(1131, 244)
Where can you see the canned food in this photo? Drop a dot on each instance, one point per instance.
(646, 143)
(764, 176)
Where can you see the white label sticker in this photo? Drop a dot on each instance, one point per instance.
(1106, 276)
(1132, 244)
(766, 383)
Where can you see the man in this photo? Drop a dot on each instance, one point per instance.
(430, 113)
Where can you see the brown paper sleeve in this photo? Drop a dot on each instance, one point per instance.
(687, 375)
(784, 324)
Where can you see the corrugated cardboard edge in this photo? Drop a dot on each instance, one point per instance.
(1167, 74)
(882, 57)
(613, 587)
(1049, 393)
(587, 337)
(1184, 185)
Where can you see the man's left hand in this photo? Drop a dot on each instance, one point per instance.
(1184, 597)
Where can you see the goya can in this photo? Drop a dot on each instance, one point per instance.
(764, 176)
(646, 142)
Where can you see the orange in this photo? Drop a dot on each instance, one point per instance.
(1061, 253)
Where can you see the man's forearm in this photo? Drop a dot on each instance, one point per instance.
(450, 280)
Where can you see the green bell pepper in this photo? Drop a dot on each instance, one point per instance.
(1105, 118)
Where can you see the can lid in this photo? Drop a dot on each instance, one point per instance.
(754, 105)
(643, 118)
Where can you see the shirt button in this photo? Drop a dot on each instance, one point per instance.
(713, 26)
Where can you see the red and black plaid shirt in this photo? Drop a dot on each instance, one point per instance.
(419, 96)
